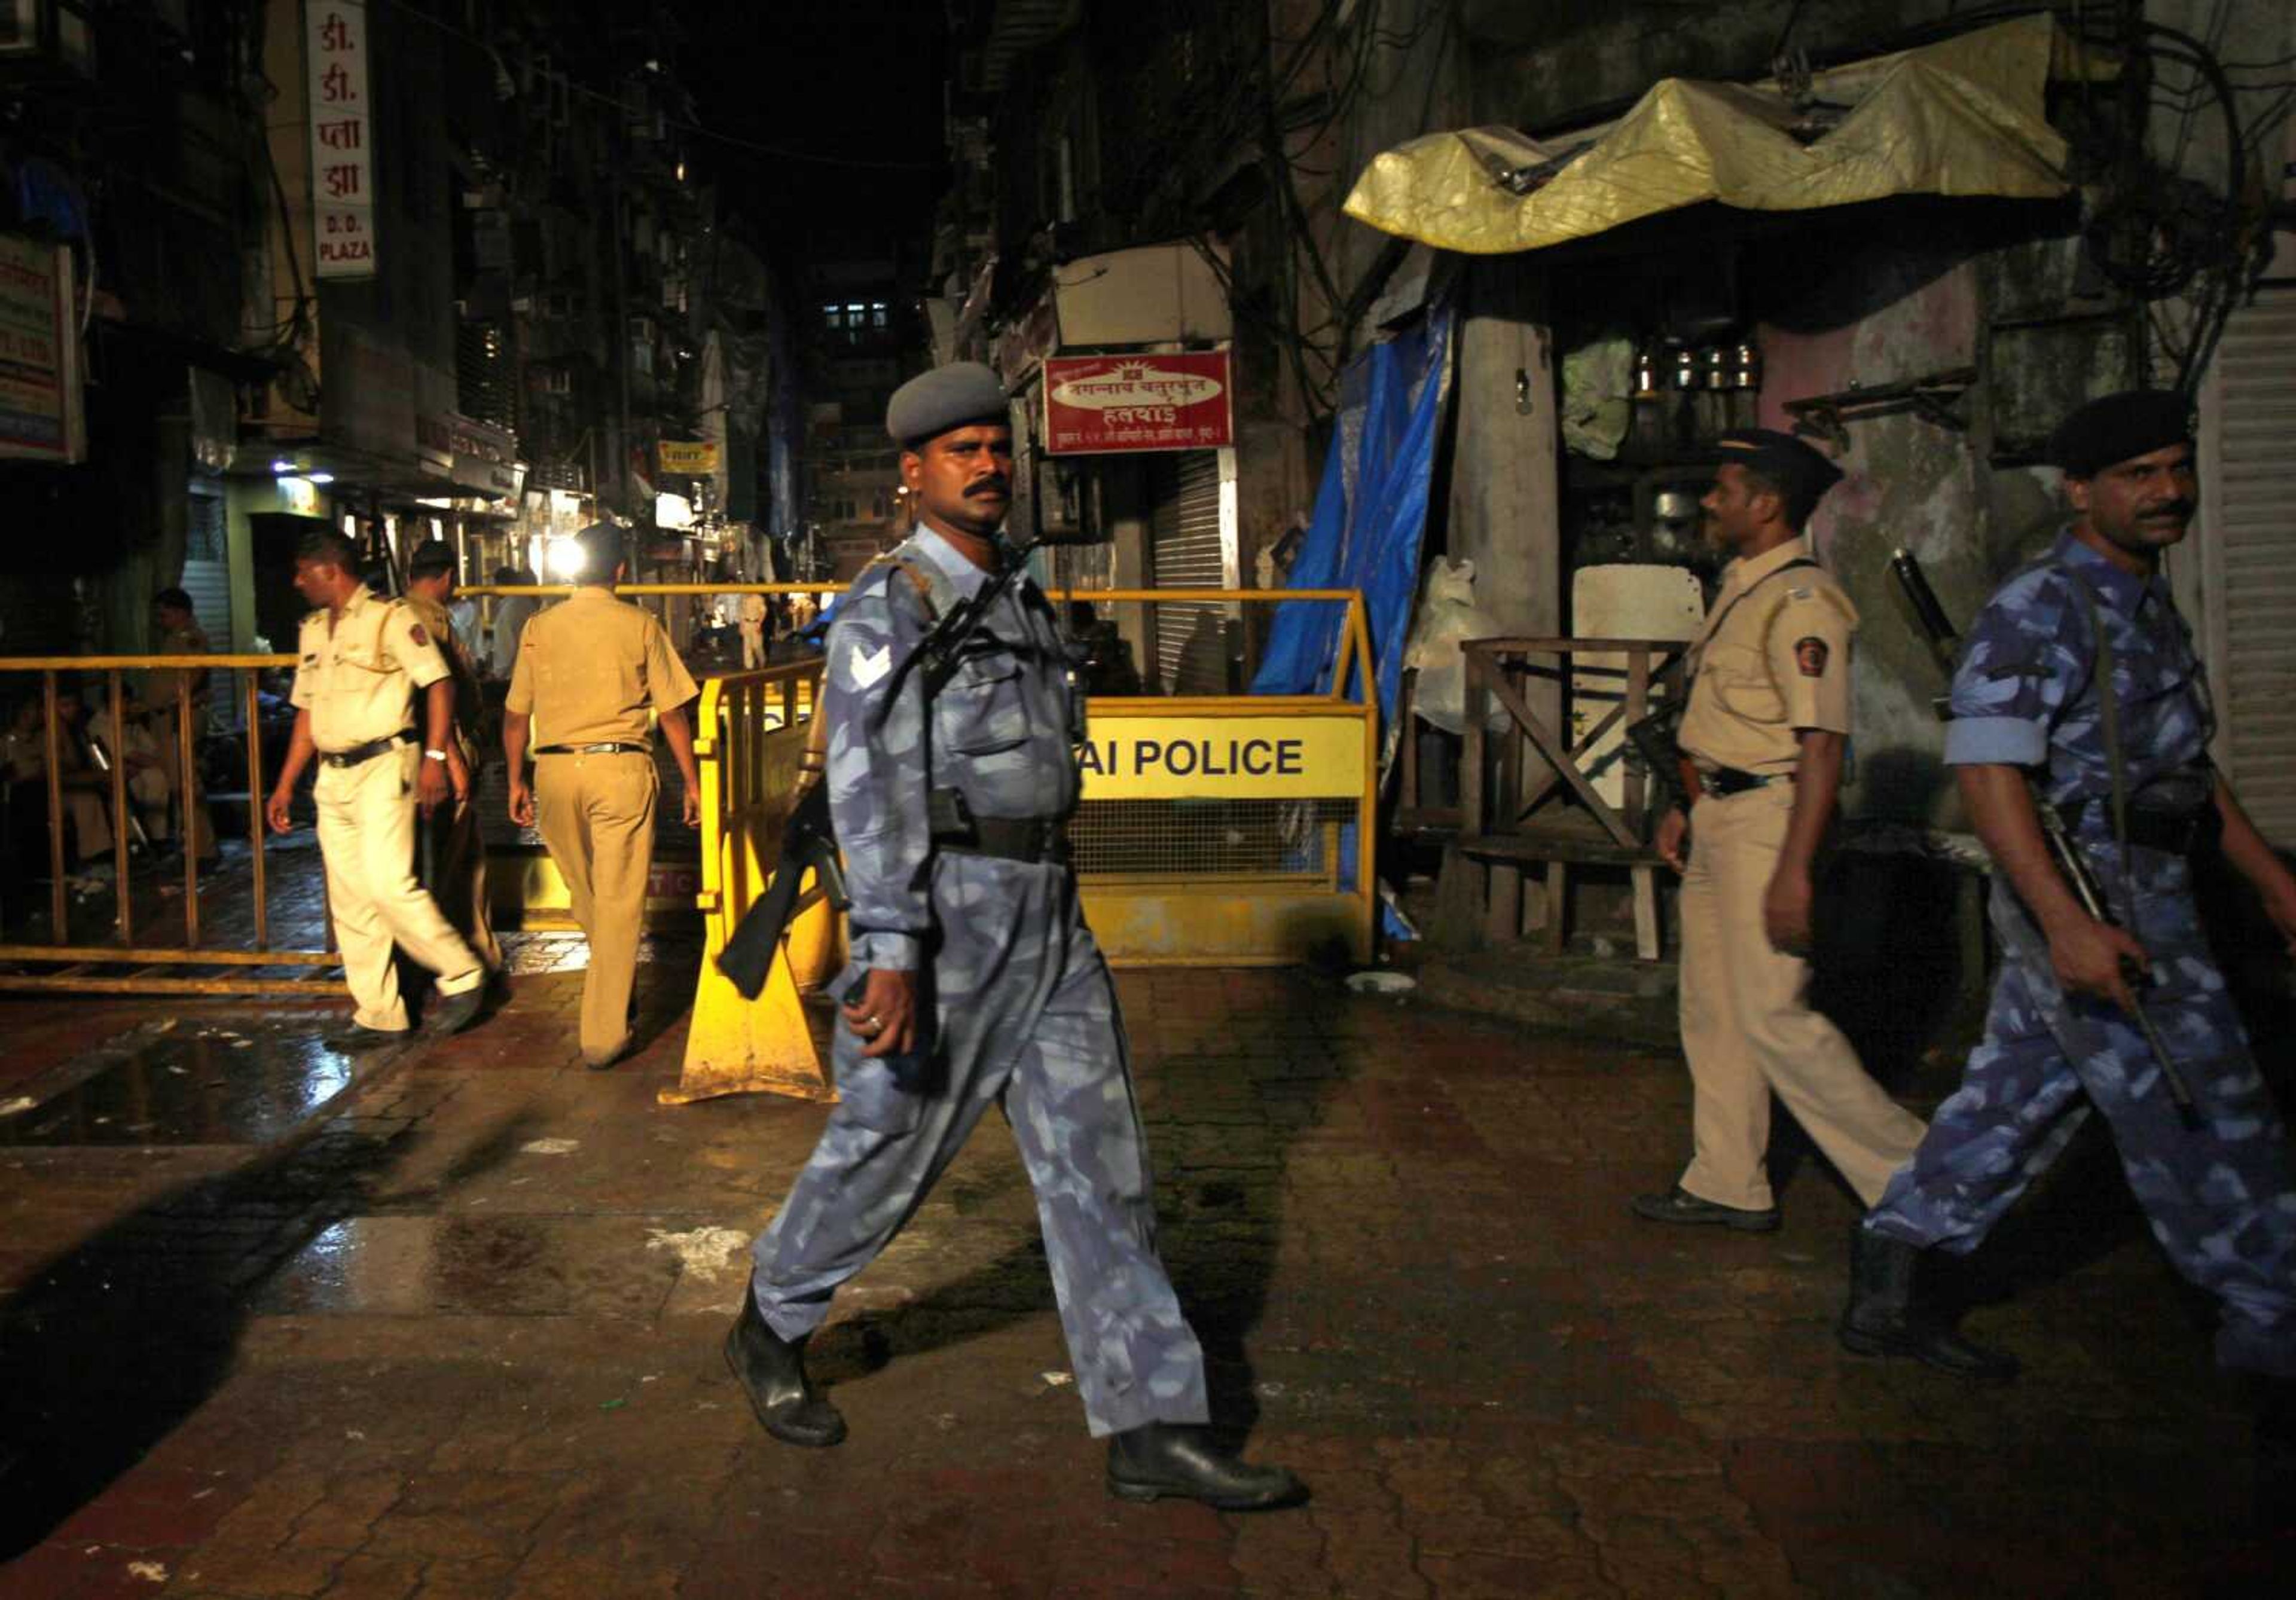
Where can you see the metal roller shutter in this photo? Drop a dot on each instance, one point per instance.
(207, 579)
(2249, 557)
(1186, 552)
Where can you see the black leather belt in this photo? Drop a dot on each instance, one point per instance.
(608, 749)
(358, 753)
(1030, 839)
(1725, 781)
(2171, 832)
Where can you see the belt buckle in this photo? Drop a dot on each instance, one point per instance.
(1710, 785)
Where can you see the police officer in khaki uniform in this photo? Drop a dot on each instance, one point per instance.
(587, 672)
(1763, 736)
(460, 853)
(177, 633)
(751, 622)
(361, 659)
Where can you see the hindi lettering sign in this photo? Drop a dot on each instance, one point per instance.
(342, 165)
(41, 417)
(1101, 405)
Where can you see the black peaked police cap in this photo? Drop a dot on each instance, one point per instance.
(1794, 464)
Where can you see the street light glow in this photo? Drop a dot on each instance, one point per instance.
(564, 559)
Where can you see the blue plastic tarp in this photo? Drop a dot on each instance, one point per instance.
(1370, 514)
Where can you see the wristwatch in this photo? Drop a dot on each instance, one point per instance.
(434, 755)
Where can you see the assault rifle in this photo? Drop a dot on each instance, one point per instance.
(809, 838)
(2079, 876)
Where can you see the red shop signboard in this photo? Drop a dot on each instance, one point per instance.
(1096, 404)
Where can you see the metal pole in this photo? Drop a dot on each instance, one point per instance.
(57, 908)
(121, 913)
(255, 806)
(187, 770)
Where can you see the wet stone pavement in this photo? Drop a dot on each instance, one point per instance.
(445, 1322)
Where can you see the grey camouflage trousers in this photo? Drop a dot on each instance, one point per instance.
(1026, 1018)
(2218, 1197)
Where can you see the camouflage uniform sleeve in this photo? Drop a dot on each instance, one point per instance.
(2023, 661)
(879, 775)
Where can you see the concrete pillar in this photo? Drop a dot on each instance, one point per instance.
(1504, 508)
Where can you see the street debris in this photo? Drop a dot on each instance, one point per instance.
(1380, 980)
(706, 1253)
(550, 1146)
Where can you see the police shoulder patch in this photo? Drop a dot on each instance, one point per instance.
(1811, 653)
(415, 632)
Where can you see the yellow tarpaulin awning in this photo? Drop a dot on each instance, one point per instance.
(1962, 117)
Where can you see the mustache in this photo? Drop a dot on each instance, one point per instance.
(990, 486)
(2165, 510)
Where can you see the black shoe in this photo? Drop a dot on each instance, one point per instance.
(1884, 1316)
(1177, 1461)
(451, 1013)
(358, 1037)
(1676, 1205)
(772, 1370)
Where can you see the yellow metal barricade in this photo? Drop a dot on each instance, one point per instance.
(1215, 831)
(140, 960)
(750, 734)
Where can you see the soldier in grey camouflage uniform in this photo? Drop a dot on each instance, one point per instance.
(974, 982)
(2060, 1038)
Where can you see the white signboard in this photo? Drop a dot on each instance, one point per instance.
(343, 167)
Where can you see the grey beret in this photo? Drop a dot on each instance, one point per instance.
(947, 397)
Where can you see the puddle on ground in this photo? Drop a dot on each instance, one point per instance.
(192, 1084)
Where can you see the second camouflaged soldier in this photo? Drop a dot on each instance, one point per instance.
(1765, 728)
(974, 982)
(2129, 774)
(586, 674)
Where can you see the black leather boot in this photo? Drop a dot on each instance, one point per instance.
(1884, 1317)
(772, 1369)
(1179, 1461)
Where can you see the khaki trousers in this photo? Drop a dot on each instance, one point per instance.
(367, 836)
(170, 778)
(461, 889)
(1748, 1030)
(753, 648)
(596, 815)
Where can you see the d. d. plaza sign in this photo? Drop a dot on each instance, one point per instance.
(1098, 404)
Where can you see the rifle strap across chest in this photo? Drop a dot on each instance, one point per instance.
(813, 764)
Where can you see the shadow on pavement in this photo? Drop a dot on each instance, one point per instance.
(115, 1343)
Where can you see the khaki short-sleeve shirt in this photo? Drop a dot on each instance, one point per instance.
(469, 710)
(160, 683)
(1774, 662)
(358, 675)
(589, 670)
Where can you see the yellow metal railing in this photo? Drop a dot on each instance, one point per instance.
(84, 966)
